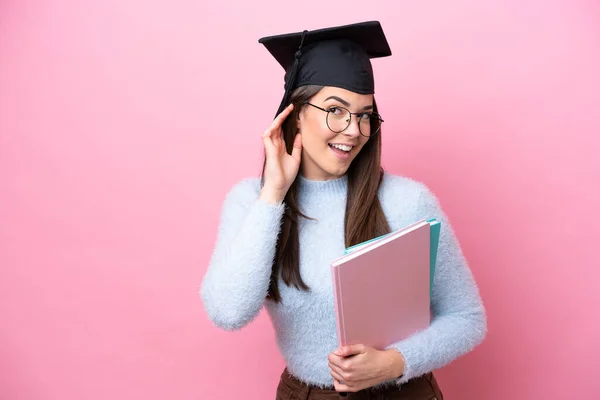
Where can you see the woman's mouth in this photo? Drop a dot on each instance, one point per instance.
(342, 151)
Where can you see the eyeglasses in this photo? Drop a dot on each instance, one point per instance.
(338, 120)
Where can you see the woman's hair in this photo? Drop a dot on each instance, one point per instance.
(364, 218)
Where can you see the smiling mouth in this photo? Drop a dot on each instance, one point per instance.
(341, 147)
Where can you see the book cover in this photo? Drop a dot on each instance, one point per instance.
(380, 288)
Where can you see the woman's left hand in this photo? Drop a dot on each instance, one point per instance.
(358, 367)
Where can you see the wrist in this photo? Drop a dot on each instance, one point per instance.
(397, 363)
(271, 196)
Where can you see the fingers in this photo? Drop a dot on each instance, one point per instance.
(335, 360)
(339, 372)
(335, 374)
(344, 375)
(341, 387)
(268, 142)
(350, 350)
(341, 365)
(297, 149)
(278, 121)
(345, 384)
(273, 132)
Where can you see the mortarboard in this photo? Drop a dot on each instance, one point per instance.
(337, 56)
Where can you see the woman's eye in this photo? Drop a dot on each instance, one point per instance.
(365, 116)
(335, 110)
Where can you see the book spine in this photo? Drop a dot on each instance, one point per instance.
(340, 310)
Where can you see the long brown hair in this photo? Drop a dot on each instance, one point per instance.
(364, 218)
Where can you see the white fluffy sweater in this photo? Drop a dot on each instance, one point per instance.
(235, 286)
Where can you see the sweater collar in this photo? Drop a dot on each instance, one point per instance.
(327, 188)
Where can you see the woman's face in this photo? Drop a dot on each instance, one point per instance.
(326, 154)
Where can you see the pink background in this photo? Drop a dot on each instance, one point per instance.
(123, 124)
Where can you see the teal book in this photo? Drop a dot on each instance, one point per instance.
(435, 227)
(434, 234)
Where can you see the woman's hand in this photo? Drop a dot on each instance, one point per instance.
(359, 367)
(281, 168)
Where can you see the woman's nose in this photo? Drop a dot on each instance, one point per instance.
(353, 129)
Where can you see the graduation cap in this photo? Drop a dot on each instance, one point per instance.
(337, 56)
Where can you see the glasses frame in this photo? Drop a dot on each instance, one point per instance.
(376, 115)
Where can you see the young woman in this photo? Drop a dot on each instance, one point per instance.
(322, 190)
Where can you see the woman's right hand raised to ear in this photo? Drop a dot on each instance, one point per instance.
(281, 168)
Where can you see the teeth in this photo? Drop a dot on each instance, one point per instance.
(342, 147)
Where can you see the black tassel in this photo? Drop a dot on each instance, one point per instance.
(290, 82)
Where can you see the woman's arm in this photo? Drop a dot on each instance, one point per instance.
(237, 280)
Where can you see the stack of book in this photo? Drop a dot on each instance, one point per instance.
(382, 287)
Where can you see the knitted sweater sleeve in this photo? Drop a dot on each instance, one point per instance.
(236, 282)
(459, 320)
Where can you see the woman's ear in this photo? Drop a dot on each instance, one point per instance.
(298, 120)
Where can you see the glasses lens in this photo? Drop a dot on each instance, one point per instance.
(375, 124)
(338, 119)
(370, 126)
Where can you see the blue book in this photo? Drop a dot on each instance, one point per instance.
(434, 226)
